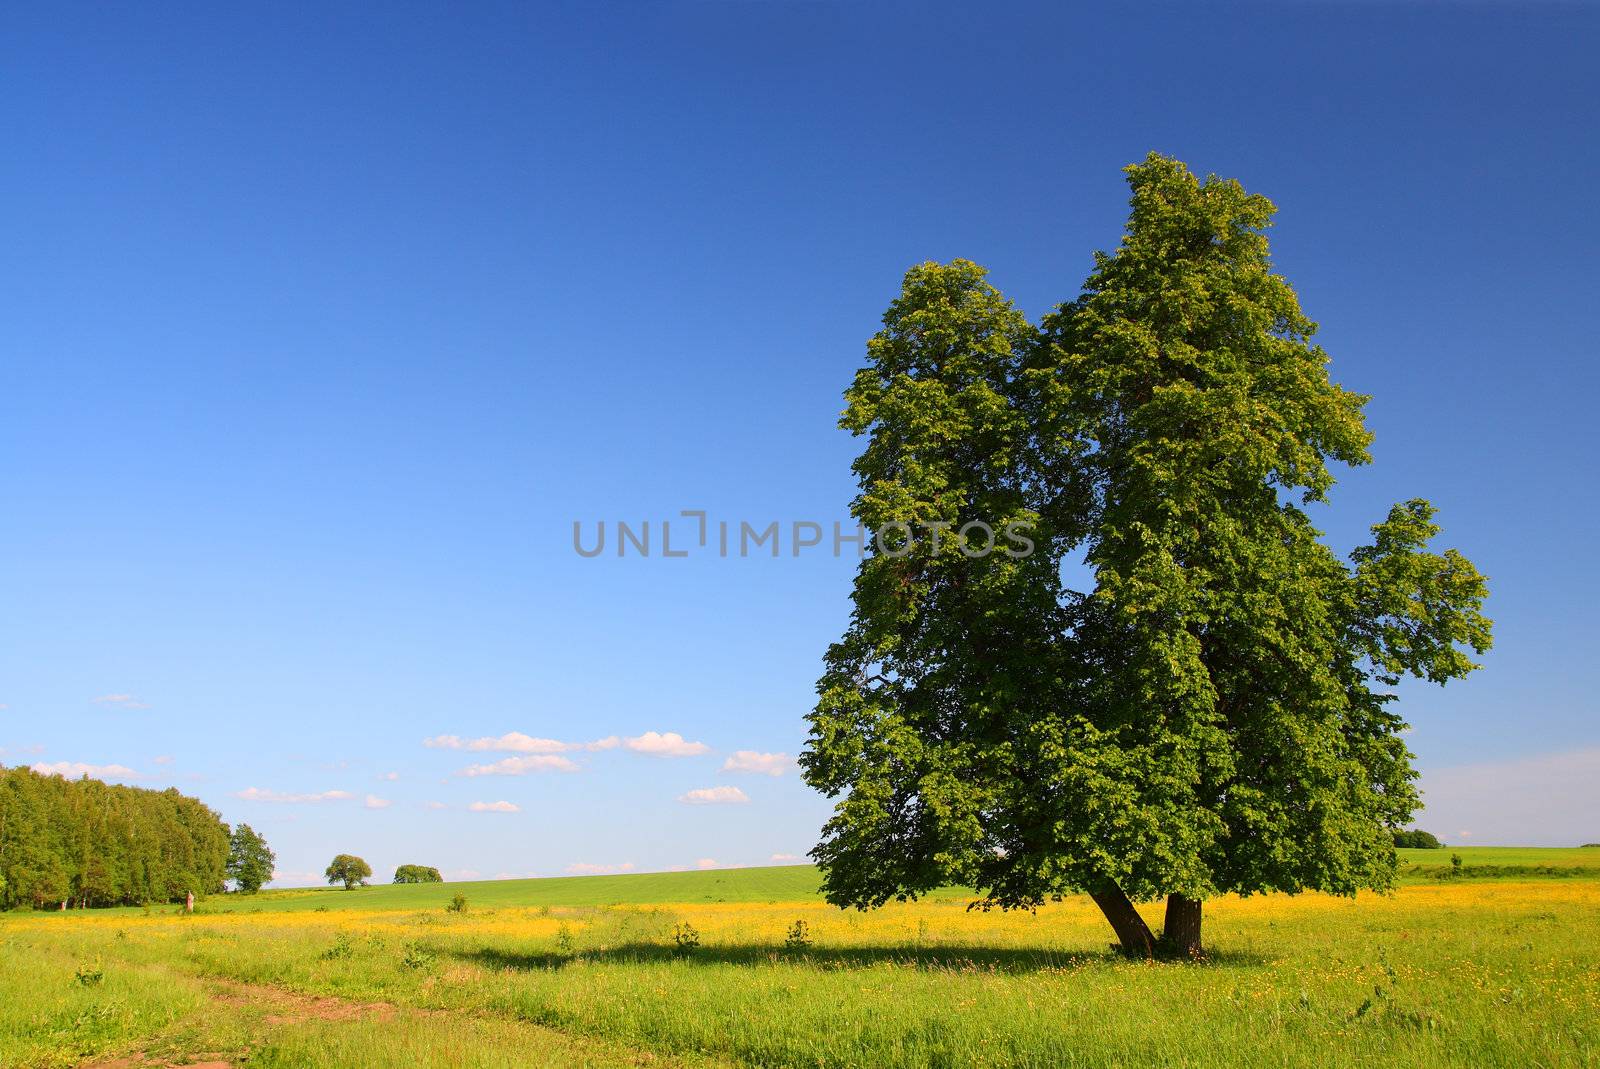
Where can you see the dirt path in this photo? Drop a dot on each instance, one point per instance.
(282, 1006)
(274, 1008)
(276, 1005)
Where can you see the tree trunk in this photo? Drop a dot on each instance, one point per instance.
(1133, 934)
(1180, 936)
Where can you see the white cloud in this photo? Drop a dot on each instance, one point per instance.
(765, 764)
(259, 794)
(390, 776)
(164, 759)
(77, 769)
(495, 807)
(706, 863)
(713, 796)
(125, 701)
(1548, 800)
(670, 744)
(584, 868)
(517, 742)
(786, 859)
(374, 802)
(437, 805)
(521, 766)
(297, 879)
(462, 874)
(512, 741)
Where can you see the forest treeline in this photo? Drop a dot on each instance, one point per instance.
(88, 843)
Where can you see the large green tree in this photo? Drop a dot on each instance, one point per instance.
(1209, 714)
(417, 874)
(250, 860)
(349, 870)
(82, 842)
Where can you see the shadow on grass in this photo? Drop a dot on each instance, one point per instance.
(932, 959)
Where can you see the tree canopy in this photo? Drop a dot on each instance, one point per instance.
(417, 874)
(349, 870)
(90, 843)
(250, 860)
(1207, 710)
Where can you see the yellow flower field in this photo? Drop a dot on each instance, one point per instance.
(1450, 973)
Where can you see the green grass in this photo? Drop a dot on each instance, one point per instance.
(1470, 972)
(787, 883)
(1500, 863)
(1553, 856)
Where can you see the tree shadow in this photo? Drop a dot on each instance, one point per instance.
(931, 959)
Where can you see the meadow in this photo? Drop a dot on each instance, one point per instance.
(1492, 963)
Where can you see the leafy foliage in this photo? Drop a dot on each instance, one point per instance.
(349, 870)
(1417, 839)
(419, 956)
(1209, 714)
(250, 860)
(798, 937)
(90, 843)
(341, 948)
(685, 939)
(417, 874)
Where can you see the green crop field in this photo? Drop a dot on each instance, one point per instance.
(788, 883)
(1496, 964)
(777, 884)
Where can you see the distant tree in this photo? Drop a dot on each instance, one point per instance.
(417, 874)
(349, 870)
(1210, 715)
(87, 843)
(1417, 839)
(250, 860)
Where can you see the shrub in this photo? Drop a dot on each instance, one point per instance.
(90, 975)
(417, 956)
(458, 904)
(685, 939)
(341, 948)
(799, 937)
(1417, 839)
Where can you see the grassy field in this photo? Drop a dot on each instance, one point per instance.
(789, 883)
(1472, 971)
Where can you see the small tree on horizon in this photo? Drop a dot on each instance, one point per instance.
(250, 860)
(417, 874)
(349, 870)
(1209, 713)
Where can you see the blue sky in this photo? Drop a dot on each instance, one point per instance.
(321, 328)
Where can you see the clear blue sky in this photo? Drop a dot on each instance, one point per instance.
(321, 328)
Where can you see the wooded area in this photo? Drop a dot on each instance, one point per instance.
(87, 843)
